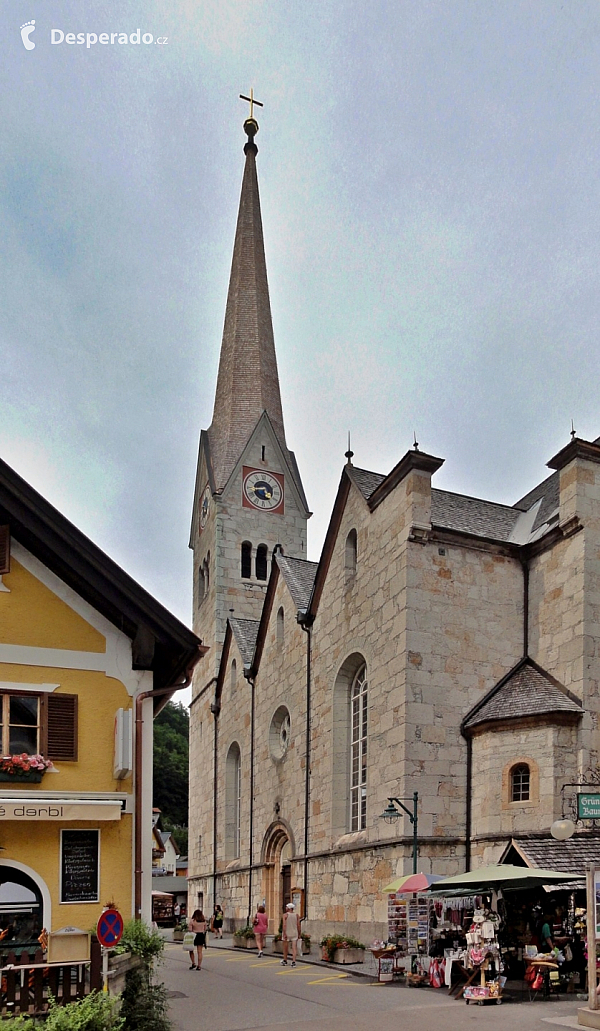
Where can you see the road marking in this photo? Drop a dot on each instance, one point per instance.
(268, 963)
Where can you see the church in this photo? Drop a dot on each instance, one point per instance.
(444, 651)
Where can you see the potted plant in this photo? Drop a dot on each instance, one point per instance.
(179, 931)
(340, 948)
(23, 767)
(244, 938)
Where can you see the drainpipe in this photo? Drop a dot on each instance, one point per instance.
(525, 565)
(468, 817)
(251, 681)
(215, 708)
(139, 723)
(307, 630)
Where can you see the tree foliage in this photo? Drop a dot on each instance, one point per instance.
(171, 750)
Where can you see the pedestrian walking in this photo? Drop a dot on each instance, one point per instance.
(217, 922)
(261, 926)
(197, 926)
(290, 932)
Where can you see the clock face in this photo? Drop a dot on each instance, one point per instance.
(263, 490)
(204, 506)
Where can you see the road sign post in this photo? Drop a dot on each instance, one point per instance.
(109, 931)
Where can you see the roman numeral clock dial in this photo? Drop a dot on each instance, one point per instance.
(262, 490)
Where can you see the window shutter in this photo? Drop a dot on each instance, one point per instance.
(4, 549)
(61, 727)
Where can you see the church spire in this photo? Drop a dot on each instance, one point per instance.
(248, 381)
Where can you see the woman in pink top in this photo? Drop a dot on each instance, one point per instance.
(260, 925)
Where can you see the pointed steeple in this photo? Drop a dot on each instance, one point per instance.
(248, 382)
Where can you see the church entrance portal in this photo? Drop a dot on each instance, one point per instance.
(277, 874)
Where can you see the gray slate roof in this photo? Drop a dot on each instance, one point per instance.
(366, 481)
(526, 691)
(570, 855)
(299, 575)
(549, 491)
(450, 511)
(245, 632)
(472, 515)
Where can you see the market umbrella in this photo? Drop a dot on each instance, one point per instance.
(510, 878)
(412, 882)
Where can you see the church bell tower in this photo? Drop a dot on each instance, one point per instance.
(249, 496)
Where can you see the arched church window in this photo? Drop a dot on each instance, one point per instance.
(233, 797)
(207, 572)
(246, 560)
(358, 750)
(350, 558)
(280, 625)
(201, 586)
(261, 562)
(520, 778)
(233, 677)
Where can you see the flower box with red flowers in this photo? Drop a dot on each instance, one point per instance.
(27, 768)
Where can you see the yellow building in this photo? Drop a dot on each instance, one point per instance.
(87, 658)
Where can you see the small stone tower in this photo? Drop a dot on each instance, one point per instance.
(249, 496)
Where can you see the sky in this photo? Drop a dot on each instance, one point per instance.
(430, 189)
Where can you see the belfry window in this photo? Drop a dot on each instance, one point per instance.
(350, 556)
(201, 586)
(358, 750)
(261, 562)
(246, 560)
(520, 783)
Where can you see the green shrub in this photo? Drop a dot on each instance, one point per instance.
(144, 1006)
(331, 942)
(97, 1012)
(140, 940)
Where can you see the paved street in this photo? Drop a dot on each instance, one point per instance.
(236, 991)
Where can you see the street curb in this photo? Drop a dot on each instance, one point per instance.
(337, 967)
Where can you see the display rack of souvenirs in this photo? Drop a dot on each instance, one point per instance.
(483, 956)
(409, 920)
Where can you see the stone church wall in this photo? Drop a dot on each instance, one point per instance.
(549, 750)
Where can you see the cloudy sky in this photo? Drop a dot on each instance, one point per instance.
(429, 174)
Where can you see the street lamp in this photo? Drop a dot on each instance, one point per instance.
(392, 813)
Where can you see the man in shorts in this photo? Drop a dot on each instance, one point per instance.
(290, 932)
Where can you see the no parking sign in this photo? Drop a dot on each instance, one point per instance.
(110, 928)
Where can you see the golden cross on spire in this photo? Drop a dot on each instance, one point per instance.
(252, 102)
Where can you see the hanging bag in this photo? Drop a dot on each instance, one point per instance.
(188, 941)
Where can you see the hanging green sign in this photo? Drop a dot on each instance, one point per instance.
(588, 807)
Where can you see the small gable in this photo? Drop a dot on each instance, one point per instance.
(31, 614)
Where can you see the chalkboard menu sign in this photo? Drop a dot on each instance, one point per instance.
(79, 880)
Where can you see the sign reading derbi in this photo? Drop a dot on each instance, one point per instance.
(89, 39)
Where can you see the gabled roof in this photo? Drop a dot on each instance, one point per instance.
(161, 643)
(299, 575)
(472, 515)
(366, 481)
(570, 856)
(526, 690)
(245, 632)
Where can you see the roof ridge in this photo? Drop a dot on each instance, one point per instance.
(471, 497)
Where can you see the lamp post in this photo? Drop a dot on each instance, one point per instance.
(393, 812)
